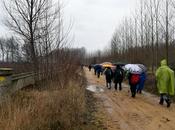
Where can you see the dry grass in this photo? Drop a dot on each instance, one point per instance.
(54, 105)
(54, 109)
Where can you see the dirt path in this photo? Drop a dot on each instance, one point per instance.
(125, 113)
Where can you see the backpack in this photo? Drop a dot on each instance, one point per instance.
(135, 78)
(108, 73)
(119, 73)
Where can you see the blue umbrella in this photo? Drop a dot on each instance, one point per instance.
(97, 66)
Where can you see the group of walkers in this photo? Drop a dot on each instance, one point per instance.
(117, 76)
(136, 81)
(164, 78)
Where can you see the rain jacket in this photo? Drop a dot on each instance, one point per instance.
(109, 74)
(118, 75)
(142, 81)
(165, 79)
(97, 67)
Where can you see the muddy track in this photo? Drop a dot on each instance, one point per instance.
(125, 113)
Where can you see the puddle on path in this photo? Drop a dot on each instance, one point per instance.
(95, 88)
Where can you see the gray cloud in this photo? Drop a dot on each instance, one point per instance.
(96, 20)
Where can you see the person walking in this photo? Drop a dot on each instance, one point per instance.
(99, 71)
(133, 82)
(90, 66)
(97, 67)
(118, 77)
(165, 83)
(109, 75)
(141, 82)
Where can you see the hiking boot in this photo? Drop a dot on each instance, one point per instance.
(161, 103)
(133, 95)
(98, 76)
(168, 103)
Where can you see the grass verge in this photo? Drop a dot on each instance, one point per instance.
(51, 108)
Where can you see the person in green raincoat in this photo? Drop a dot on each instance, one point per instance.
(165, 82)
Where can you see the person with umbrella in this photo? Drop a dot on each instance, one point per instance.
(142, 78)
(165, 82)
(97, 68)
(133, 77)
(109, 75)
(90, 66)
(118, 77)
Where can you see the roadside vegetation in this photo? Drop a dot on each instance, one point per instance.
(42, 44)
(50, 107)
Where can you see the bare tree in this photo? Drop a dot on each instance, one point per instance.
(23, 18)
(2, 42)
(167, 30)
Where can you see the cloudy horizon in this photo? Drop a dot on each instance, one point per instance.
(94, 21)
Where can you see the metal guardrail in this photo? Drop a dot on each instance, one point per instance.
(22, 75)
(13, 83)
(16, 82)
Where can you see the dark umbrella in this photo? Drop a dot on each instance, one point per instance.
(119, 63)
(97, 66)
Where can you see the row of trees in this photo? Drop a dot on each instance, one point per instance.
(35, 22)
(9, 50)
(147, 36)
(43, 36)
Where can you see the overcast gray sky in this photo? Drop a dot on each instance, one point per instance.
(94, 20)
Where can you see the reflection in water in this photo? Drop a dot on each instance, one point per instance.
(95, 88)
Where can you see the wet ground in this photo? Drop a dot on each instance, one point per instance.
(95, 88)
(119, 111)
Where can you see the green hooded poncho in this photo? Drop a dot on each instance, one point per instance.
(165, 79)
